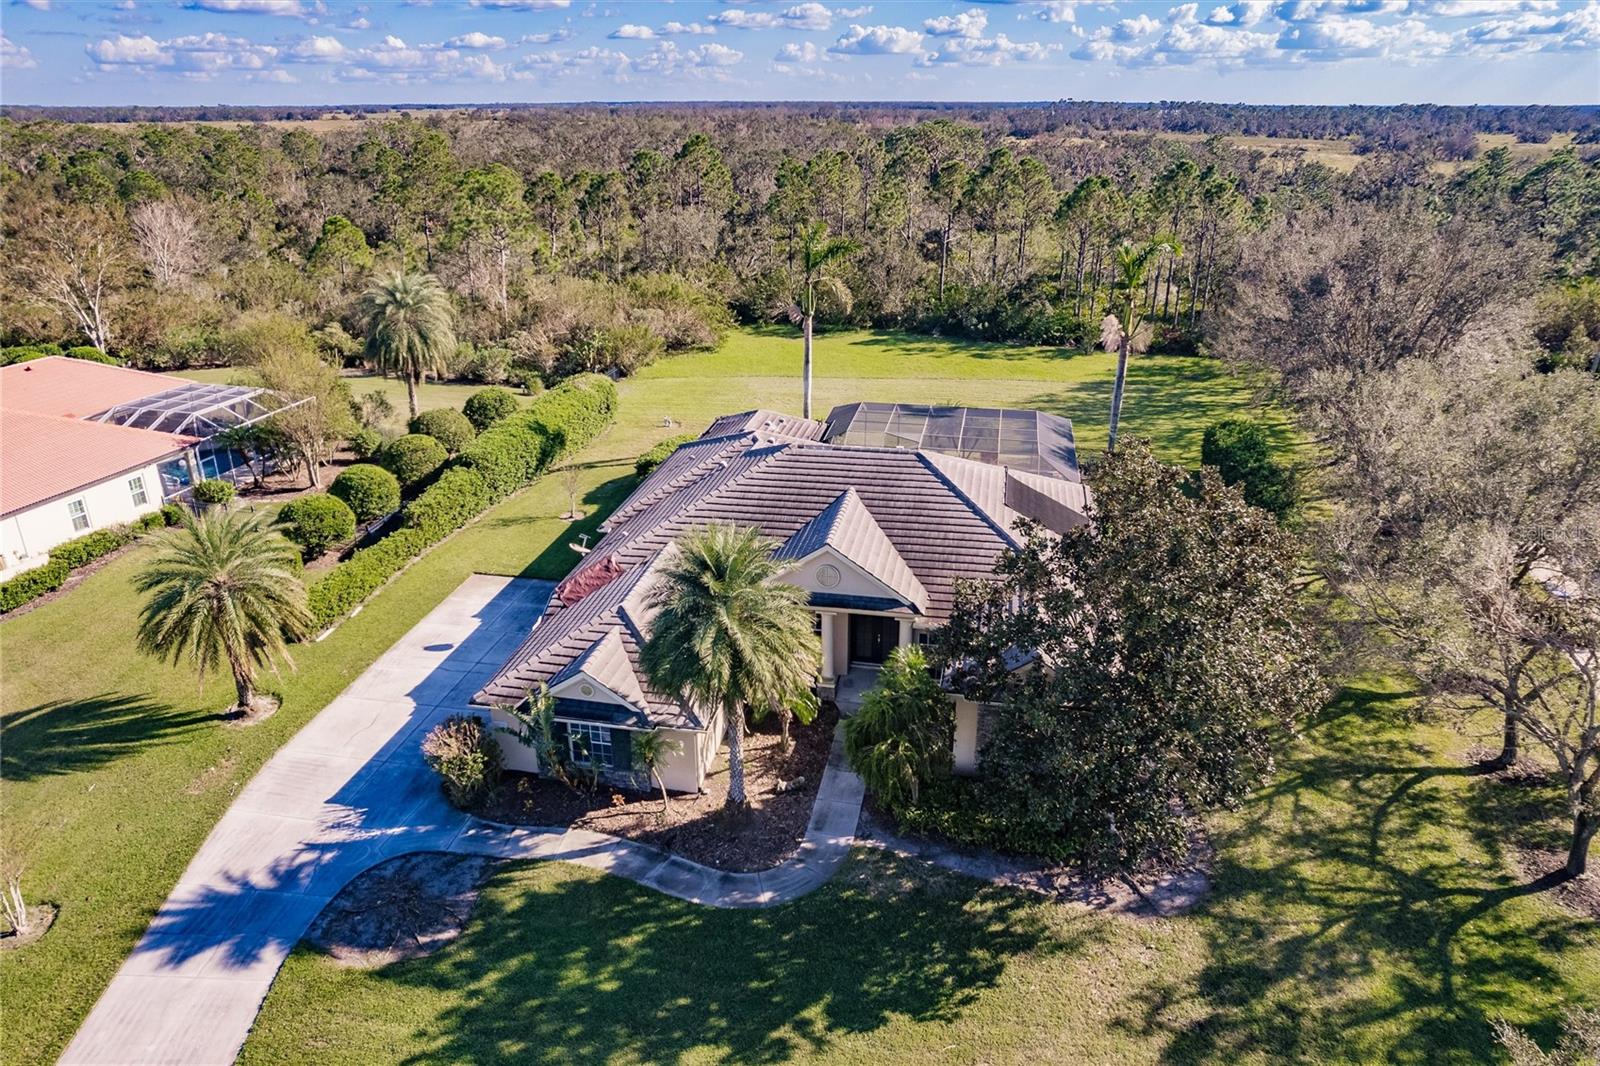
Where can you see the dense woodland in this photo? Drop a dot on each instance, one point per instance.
(589, 238)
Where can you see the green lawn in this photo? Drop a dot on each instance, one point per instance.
(115, 768)
(1361, 914)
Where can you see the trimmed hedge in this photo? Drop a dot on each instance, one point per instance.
(447, 426)
(316, 522)
(413, 457)
(487, 406)
(509, 455)
(368, 489)
(67, 557)
(214, 490)
(366, 443)
(646, 464)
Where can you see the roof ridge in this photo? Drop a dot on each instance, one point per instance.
(926, 459)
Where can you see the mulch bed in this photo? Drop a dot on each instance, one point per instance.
(401, 909)
(696, 826)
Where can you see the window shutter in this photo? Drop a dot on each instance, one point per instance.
(621, 750)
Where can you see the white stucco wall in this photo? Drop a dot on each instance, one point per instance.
(966, 744)
(27, 536)
(682, 771)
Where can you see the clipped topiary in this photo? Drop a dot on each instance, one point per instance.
(368, 489)
(487, 406)
(214, 490)
(366, 443)
(413, 457)
(317, 522)
(447, 426)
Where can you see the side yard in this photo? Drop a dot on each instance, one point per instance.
(115, 767)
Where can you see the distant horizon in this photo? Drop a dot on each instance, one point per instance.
(352, 53)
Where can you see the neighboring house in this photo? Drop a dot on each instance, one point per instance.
(85, 445)
(878, 511)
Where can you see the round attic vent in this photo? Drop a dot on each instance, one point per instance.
(828, 575)
(587, 690)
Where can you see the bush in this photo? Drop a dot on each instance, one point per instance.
(646, 463)
(172, 513)
(458, 496)
(1242, 453)
(487, 406)
(93, 355)
(573, 414)
(67, 557)
(902, 738)
(528, 379)
(352, 581)
(447, 426)
(86, 549)
(214, 490)
(33, 584)
(366, 443)
(413, 457)
(369, 490)
(466, 756)
(317, 522)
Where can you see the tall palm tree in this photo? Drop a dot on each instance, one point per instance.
(818, 253)
(407, 318)
(1122, 330)
(650, 751)
(226, 589)
(727, 634)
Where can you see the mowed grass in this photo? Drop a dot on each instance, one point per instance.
(429, 395)
(1363, 911)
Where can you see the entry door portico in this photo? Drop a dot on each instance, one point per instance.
(872, 638)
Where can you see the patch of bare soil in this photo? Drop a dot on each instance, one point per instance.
(1580, 895)
(1524, 771)
(1150, 893)
(261, 708)
(41, 916)
(695, 826)
(401, 909)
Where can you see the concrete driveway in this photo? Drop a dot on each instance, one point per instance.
(349, 790)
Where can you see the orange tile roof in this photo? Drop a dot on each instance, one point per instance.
(76, 388)
(42, 457)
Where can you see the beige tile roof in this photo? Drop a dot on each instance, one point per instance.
(848, 528)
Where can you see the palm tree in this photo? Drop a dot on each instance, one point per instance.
(818, 252)
(407, 318)
(650, 750)
(1124, 332)
(225, 589)
(727, 634)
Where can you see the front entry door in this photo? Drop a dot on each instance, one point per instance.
(872, 638)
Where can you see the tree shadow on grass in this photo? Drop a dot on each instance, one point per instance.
(1357, 917)
(70, 736)
(584, 969)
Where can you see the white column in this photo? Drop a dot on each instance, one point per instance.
(905, 632)
(828, 664)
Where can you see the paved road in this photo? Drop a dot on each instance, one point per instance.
(350, 790)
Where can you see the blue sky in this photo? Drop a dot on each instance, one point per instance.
(333, 51)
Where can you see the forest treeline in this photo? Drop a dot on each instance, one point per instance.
(587, 238)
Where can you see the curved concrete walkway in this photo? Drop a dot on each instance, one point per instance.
(350, 790)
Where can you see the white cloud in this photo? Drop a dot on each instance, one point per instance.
(1466, 8)
(1246, 13)
(549, 37)
(1184, 14)
(283, 8)
(1130, 29)
(525, 5)
(38, 5)
(1334, 38)
(969, 23)
(665, 60)
(477, 41)
(358, 23)
(630, 31)
(878, 40)
(315, 50)
(809, 16)
(799, 52)
(14, 56)
(1058, 11)
(680, 29)
(853, 12)
(981, 52)
(196, 55)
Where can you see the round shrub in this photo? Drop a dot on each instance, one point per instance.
(214, 490)
(447, 426)
(366, 443)
(465, 755)
(369, 490)
(317, 522)
(487, 406)
(413, 457)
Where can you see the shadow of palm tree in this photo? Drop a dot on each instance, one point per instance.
(70, 736)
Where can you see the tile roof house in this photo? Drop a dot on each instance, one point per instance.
(876, 533)
(86, 445)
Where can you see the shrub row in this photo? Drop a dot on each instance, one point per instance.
(23, 353)
(508, 455)
(646, 464)
(65, 558)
